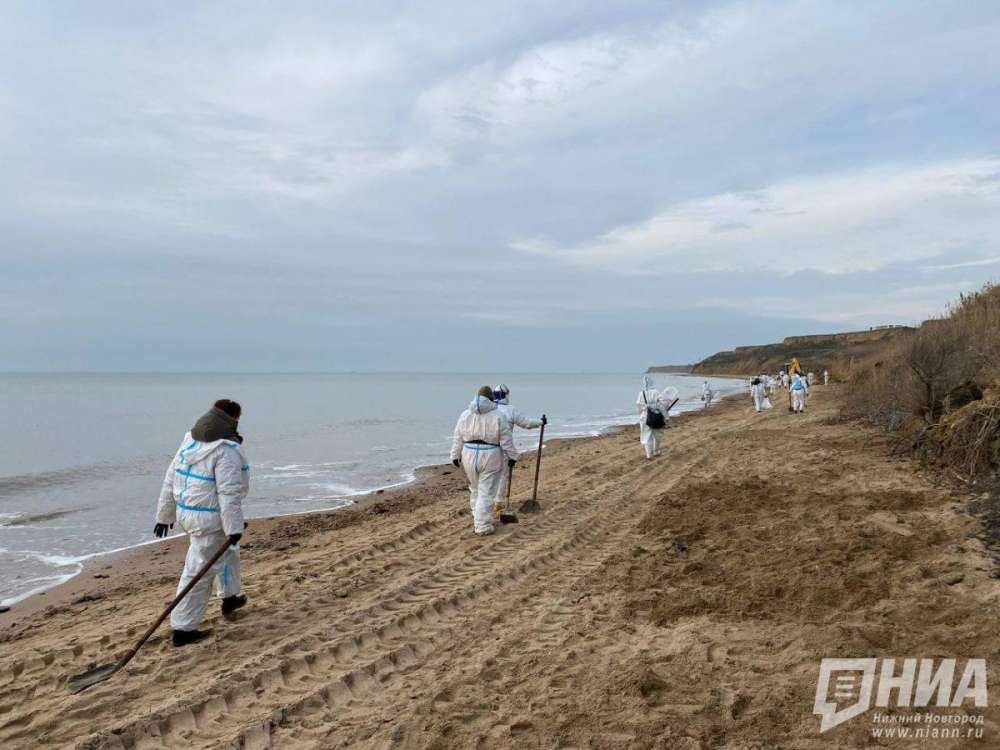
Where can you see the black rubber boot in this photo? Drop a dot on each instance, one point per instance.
(232, 603)
(187, 637)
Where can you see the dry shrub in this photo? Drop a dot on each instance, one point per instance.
(937, 361)
(968, 440)
(976, 320)
(875, 396)
(843, 368)
(929, 388)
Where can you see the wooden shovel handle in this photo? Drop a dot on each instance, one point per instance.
(177, 600)
(538, 463)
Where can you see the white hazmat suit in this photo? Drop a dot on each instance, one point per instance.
(516, 419)
(799, 391)
(651, 399)
(483, 440)
(706, 393)
(758, 392)
(203, 492)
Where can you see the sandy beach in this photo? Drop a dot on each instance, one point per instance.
(683, 602)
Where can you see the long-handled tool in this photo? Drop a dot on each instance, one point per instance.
(507, 515)
(91, 677)
(532, 505)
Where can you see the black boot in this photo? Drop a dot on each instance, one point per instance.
(187, 637)
(232, 603)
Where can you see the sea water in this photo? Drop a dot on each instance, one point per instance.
(82, 457)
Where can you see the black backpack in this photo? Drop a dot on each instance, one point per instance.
(654, 419)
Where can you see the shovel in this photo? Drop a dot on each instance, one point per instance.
(91, 677)
(507, 515)
(532, 505)
(672, 405)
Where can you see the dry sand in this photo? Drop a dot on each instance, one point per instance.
(683, 602)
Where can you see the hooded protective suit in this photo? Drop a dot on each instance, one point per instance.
(651, 399)
(516, 419)
(758, 392)
(706, 393)
(483, 439)
(799, 391)
(203, 493)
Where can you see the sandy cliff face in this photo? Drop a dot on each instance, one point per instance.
(815, 353)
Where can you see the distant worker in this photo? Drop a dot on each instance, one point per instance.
(785, 381)
(483, 437)
(826, 377)
(501, 394)
(652, 417)
(203, 492)
(758, 392)
(799, 391)
(810, 378)
(706, 393)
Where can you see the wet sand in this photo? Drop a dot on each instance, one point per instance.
(683, 602)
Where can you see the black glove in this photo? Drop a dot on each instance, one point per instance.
(456, 462)
(545, 420)
(511, 462)
(245, 524)
(234, 539)
(161, 530)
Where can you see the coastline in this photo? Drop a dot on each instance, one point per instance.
(103, 564)
(390, 619)
(101, 570)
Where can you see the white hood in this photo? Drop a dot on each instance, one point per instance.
(482, 405)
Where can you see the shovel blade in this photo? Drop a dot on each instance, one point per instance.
(530, 506)
(84, 680)
(508, 518)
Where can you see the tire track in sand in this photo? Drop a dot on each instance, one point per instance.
(531, 603)
(444, 576)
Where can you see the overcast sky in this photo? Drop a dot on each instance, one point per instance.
(485, 185)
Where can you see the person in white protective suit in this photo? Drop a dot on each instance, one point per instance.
(785, 380)
(483, 439)
(799, 391)
(758, 392)
(826, 377)
(203, 492)
(651, 400)
(706, 393)
(501, 395)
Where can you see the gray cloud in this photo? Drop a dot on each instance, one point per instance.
(340, 186)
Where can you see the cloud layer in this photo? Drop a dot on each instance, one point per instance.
(841, 223)
(368, 186)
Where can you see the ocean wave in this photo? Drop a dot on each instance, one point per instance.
(21, 519)
(46, 584)
(50, 559)
(47, 480)
(375, 421)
